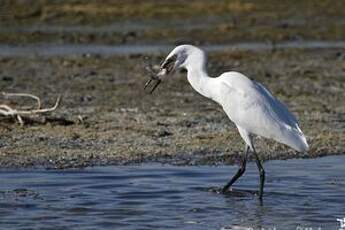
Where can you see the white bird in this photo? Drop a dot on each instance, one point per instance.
(253, 109)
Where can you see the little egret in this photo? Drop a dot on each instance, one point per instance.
(253, 109)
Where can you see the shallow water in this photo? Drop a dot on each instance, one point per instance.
(48, 50)
(306, 193)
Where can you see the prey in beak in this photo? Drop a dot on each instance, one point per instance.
(154, 77)
(166, 67)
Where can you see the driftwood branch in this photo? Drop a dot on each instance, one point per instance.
(38, 100)
(6, 110)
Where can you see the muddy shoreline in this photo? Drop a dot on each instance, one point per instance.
(122, 124)
(106, 118)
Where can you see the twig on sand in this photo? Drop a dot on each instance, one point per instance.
(7, 95)
(6, 110)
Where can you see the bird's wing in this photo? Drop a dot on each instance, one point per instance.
(252, 107)
(280, 111)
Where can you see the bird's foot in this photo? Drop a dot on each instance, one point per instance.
(226, 190)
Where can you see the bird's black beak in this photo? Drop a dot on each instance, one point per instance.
(166, 67)
(169, 64)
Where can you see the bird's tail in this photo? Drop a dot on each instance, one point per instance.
(296, 140)
(303, 147)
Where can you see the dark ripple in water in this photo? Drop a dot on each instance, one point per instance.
(308, 193)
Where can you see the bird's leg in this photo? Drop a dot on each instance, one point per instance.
(240, 171)
(262, 174)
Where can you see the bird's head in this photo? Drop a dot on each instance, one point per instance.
(180, 57)
(176, 59)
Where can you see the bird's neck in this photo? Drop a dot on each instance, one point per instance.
(200, 81)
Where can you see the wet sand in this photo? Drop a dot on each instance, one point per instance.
(122, 124)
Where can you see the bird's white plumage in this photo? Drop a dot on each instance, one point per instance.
(247, 103)
(253, 108)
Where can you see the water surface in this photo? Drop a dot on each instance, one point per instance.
(306, 193)
(48, 50)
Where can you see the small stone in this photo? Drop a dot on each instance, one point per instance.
(7, 78)
(164, 133)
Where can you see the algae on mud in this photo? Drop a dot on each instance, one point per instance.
(122, 124)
